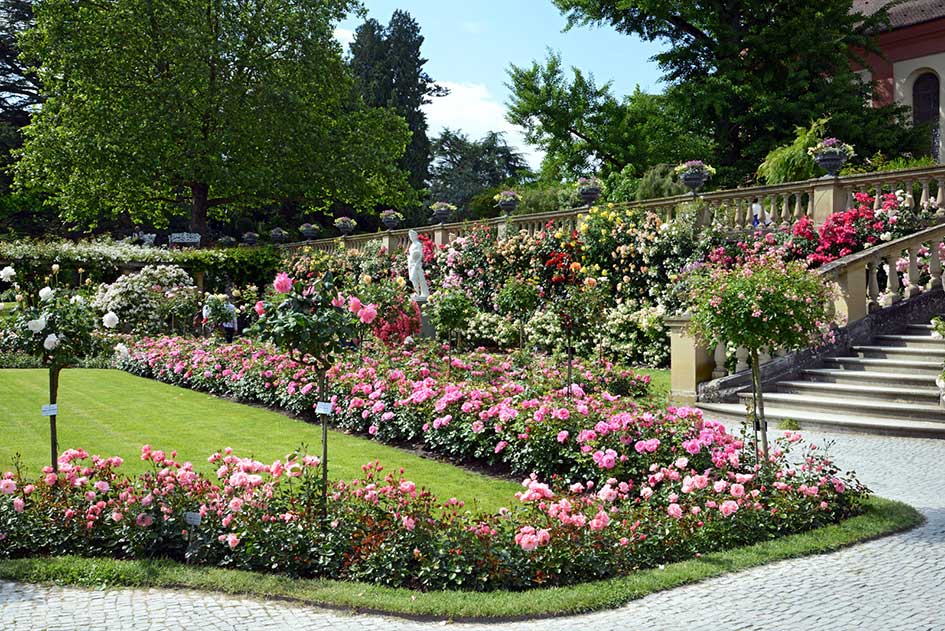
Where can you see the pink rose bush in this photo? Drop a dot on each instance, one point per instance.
(382, 528)
(482, 409)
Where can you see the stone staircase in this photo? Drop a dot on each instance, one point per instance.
(887, 387)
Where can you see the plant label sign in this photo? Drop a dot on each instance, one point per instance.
(192, 518)
(51, 409)
(323, 407)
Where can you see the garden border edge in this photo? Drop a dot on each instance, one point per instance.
(883, 517)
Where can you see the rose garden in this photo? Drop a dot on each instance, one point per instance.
(625, 388)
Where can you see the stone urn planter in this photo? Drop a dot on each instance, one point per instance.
(346, 229)
(589, 194)
(694, 180)
(226, 242)
(390, 220)
(250, 238)
(278, 235)
(831, 162)
(308, 231)
(441, 215)
(508, 205)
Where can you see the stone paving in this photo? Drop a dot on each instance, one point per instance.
(895, 583)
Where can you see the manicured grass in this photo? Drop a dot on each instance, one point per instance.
(113, 413)
(882, 517)
(659, 380)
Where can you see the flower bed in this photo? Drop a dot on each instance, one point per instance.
(480, 407)
(384, 529)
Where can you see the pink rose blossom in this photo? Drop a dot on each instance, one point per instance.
(283, 283)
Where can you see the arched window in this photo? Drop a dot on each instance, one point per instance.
(925, 106)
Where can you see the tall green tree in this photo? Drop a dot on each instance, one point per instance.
(462, 168)
(583, 127)
(388, 66)
(163, 107)
(750, 71)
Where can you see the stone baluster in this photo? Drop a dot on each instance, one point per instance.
(935, 267)
(912, 287)
(785, 210)
(798, 212)
(892, 279)
(740, 214)
(810, 203)
(741, 359)
(764, 356)
(924, 200)
(877, 195)
(940, 195)
(872, 286)
(775, 211)
(720, 352)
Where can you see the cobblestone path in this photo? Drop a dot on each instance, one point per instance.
(885, 585)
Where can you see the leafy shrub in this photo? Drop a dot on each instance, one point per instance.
(143, 300)
(383, 529)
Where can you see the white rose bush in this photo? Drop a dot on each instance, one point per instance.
(56, 325)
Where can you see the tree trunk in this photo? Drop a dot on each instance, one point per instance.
(323, 396)
(53, 395)
(200, 197)
(761, 425)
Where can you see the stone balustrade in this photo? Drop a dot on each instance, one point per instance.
(868, 281)
(732, 209)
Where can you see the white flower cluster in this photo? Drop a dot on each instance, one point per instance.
(137, 298)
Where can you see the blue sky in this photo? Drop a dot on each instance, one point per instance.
(470, 44)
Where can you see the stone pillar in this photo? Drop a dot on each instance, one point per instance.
(690, 363)
(426, 328)
(852, 303)
(440, 235)
(829, 197)
(389, 241)
(502, 228)
(200, 279)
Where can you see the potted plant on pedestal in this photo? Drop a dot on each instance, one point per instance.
(507, 201)
(346, 225)
(589, 189)
(391, 218)
(694, 174)
(830, 154)
(442, 211)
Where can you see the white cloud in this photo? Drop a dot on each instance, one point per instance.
(345, 36)
(472, 109)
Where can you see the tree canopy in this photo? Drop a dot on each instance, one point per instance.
(462, 168)
(163, 107)
(745, 71)
(388, 67)
(582, 127)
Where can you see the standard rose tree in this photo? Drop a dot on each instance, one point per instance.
(312, 322)
(57, 326)
(760, 303)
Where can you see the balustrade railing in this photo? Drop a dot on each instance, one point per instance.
(733, 210)
(867, 281)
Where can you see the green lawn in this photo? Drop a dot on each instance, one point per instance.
(109, 412)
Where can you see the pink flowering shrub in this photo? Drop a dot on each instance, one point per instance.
(384, 529)
(482, 401)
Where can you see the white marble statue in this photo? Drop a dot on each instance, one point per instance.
(415, 266)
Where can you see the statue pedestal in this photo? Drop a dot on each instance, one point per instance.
(426, 328)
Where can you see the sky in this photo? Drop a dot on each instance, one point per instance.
(471, 43)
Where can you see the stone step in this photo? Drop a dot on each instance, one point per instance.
(933, 368)
(853, 407)
(735, 412)
(920, 329)
(928, 395)
(898, 352)
(838, 375)
(910, 341)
